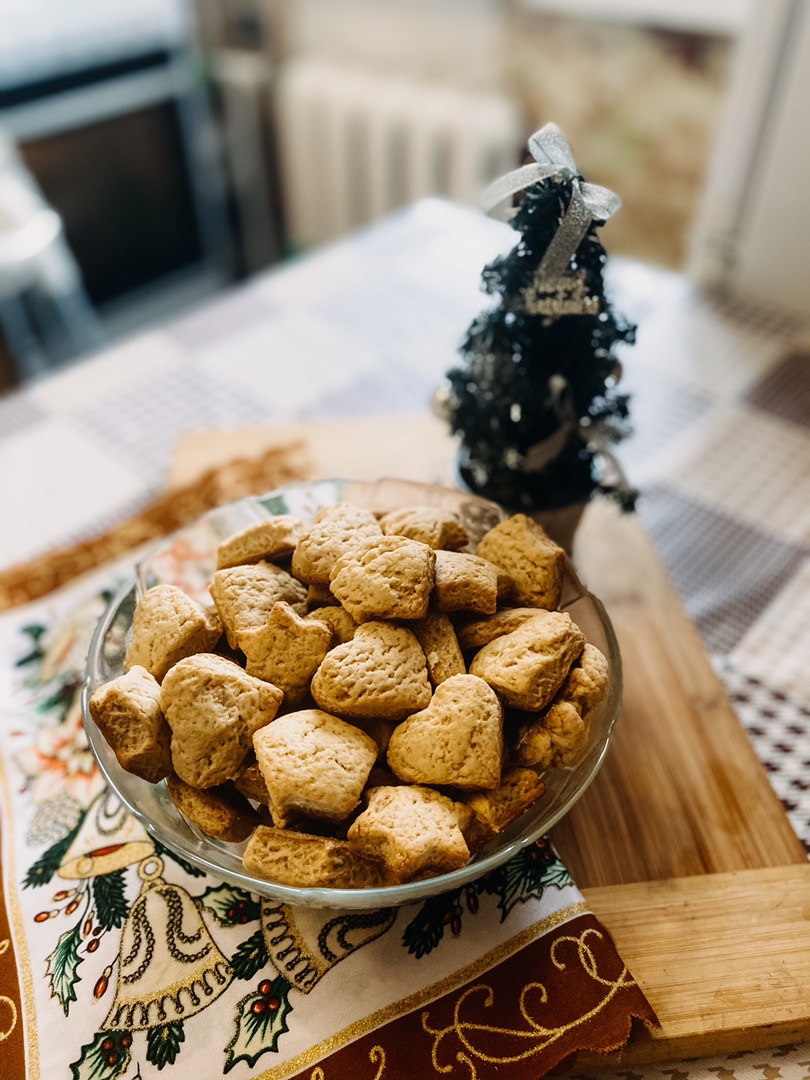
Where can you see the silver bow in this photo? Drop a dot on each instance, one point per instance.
(552, 157)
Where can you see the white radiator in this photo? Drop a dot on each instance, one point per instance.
(355, 145)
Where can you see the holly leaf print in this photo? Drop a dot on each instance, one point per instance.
(424, 932)
(261, 1021)
(34, 632)
(250, 957)
(107, 1056)
(528, 874)
(230, 906)
(163, 1043)
(48, 863)
(63, 966)
(108, 896)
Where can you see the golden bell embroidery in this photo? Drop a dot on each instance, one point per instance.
(302, 947)
(109, 839)
(169, 966)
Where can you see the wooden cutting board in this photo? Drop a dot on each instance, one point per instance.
(680, 845)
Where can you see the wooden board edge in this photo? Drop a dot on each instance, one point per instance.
(724, 959)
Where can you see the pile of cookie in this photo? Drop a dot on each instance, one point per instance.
(368, 701)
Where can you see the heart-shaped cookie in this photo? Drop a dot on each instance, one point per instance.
(456, 740)
(381, 673)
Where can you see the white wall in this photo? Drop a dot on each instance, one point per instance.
(752, 235)
(456, 41)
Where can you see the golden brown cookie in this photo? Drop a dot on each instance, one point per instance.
(167, 626)
(494, 810)
(286, 651)
(313, 764)
(465, 583)
(531, 559)
(337, 530)
(245, 595)
(250, 782)
(221, 812)
(213, 708)
(474, 633)
(337, 619)
(431, 526)
(556, 737)
(304, 861)
(414, 831)
(528, 666)
(456, 741)
(587, 681)
(437, 636)
(128, 714)
(271, 540)
(381, 673)
(387, 577)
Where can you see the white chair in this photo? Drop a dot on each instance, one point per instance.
(45, 315)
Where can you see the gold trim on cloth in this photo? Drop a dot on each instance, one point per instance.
(24, 969)
(422, 997)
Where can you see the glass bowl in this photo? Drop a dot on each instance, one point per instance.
(187, 558)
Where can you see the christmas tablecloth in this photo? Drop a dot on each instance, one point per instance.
(120, 959)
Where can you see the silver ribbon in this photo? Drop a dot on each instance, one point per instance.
(552, 157)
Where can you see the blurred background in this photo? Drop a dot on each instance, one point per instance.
(155, 152)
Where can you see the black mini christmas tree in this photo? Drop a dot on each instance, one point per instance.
(535, 401)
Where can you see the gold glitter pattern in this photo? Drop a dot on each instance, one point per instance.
(471, 1034)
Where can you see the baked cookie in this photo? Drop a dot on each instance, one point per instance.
(465, 583)
(557, 737)
(245, 595)
(271, 540)
(387, 577)
(456, 741)
(494, 810)
(304, 861)
(528, 666)
(531, 559)
(286, 651)
(437, 636)
(128, 714)
(337, 530)
(381, 673)
(313, 764)
(587, 681)
(414, 831)
(167, 626)
(337, 619)
(560, 734)
(427, 524)
(213, 708)
(221, 812)
(474, 633)
(250, 782)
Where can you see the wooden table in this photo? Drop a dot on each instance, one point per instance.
(680, 845)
